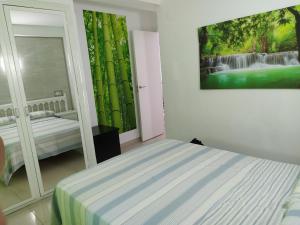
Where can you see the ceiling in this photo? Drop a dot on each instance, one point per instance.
(157, 2)
(148, 5)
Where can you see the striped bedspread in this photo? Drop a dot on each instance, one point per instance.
(172, 182)
(52, 136)
(292, 214)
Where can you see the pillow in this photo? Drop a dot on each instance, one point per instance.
(7, 120)
(41, 114)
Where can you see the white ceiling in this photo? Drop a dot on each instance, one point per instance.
(44, 19)
(148, 5)
(37, 19)
(157, 2)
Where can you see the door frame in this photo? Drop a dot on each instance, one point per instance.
(76, 78)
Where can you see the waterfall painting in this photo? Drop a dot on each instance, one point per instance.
(259, 51)
(108, 49)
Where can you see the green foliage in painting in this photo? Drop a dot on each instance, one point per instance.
(107, 40)
(248, 52)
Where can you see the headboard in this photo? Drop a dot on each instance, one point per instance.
(56, 104)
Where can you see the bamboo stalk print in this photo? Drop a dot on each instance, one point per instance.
(107, 40)
(98, 74)
(113, 90)
(88, 22)
(123, 70)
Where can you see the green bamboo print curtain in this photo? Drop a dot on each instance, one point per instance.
(107, 40)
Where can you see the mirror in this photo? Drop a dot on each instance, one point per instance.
(43, 55)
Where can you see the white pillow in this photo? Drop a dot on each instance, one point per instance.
(41, 114)
(7, 120)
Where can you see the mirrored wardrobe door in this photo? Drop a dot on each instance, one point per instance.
(40, 48)
(14, 184)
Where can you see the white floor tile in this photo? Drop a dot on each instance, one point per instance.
(42, 210)
(23, 217)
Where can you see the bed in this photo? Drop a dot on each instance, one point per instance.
(53, 135)
(172, 182)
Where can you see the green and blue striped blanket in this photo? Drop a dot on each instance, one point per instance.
(172, 182)
(52, 136)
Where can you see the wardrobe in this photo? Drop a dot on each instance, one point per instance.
(44, 121)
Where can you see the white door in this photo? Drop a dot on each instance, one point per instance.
(46, 82)
(149, 83)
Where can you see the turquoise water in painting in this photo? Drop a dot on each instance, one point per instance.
(278, 77)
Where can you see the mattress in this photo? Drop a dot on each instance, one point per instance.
(172, 182)
(52, 136)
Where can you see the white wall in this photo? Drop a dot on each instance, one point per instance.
(262, 123)
(136, 20)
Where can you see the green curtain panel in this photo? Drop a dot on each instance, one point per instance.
(107, 40)
(259, 51)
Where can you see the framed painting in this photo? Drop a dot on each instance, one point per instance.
(259, 51)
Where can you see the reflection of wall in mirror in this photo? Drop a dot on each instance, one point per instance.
(44, 67)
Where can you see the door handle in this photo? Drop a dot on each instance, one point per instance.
(142, 86)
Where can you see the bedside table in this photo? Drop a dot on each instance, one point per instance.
(107, 142)
(69, 115)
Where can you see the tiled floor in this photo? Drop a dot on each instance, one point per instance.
(53, 169)
(35, 214)
(56, 168)
(17, 190)
(39, 213)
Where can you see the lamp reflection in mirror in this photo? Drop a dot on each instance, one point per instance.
(2, 63)
(58, 93)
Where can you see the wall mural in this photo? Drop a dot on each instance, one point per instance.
(259, 51)
(108, 48)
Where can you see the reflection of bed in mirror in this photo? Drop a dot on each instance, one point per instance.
(56, 130)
